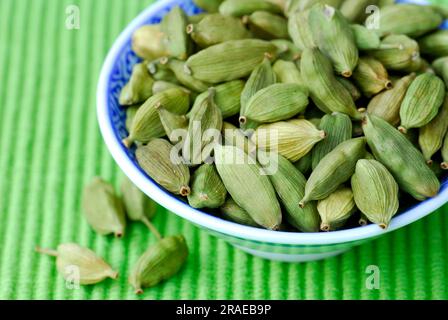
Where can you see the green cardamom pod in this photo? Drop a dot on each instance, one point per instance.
(365, 39)
(233, 212)
(216, 28)
(325, 91)
(351, 88)
(338, 128)
(71, 257)
(130, 114)
(431, 135)
(146, 124)
(286, 50)
(161, 72)
(334, 37)
(243, 179)
(299, 30)
(171, 122)
(289, 99)
(292, 139)
(355, 10)
(138, 206)
(174, 26)
(435, 44)
(160, 262)
(233, 136)
(441, 68)
(196, 18)
(160, 160)
(198, 144)
(103, 208)
(148, 42)
(408, 19)
(335, 209)
(178, 68)
(160, 86)
(401, 158)
(139, 87)
(444, 151)
(230, 60)
(387, 104)
(371, 76)
(293, 6)
(208, 5)
(375, 192)
(238, 8)
(333, 170)
(288, 72)
(207, 189)
(422, 101)
(268, 26)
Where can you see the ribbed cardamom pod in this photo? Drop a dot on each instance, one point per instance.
(387, 104)
(408, 19)
(238, 8)
(444, 151)
(230, 60)
(338, 128)
(299, 30)
(435, 44)
(227, 98)
(371, 76)
(325, 91)
(171, 122)
(289, 99)
(268, 26)
(441, 68)
(402, 54)
(286, 50)
(130, 114)
(431, 135)
(139, 87)
(334, 37)
(208, 5)
(350, 86)
(365, 39)
(292, 139)
(160, 262)
(148, 42)
(197, 145)
(138, 206)
(233, 212)
(289, 183)
(174, 26)
(401, 158)
(333, 170)
(375, 192)
(288, 72)
(103, 208)
(90, 268)
(335, 209)
(355, 10)
(146, 124)
(216, 28)
(304, 164)
(161, 161)
(422, 101)
(160, 86)
(207, 189)
(178, 68)
(245, 181)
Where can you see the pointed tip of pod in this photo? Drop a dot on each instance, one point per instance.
(127, 142)
(362, 110)
(347, 73)
(184, 191)
(322, 134)
(429, 162)
(139, 291)
(118, 234)
(383, 225)
(190, 28)
(325, 227)
(402, 129)
(362, 222)
(302, 203)
(164, 60)
(444, 165)
(242, 120)
(388, 85)
(113, 274)
(245, 19)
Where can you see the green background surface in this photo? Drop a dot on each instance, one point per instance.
(50, 146)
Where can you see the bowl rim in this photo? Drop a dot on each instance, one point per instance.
(206, 220)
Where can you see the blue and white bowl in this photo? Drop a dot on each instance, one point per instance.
(284, 246)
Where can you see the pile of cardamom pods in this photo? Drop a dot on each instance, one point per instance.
(357, 103)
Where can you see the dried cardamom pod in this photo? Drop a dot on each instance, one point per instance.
(292, 139)
(233, 212)
(365, 39)
(208, 5)
(401, 158)
(333, 170)
(207, 189)
(288, 72)
(148, 42)
(238, 8)
(375, 192)
(371, 76)
(338, 128)
(325, 91)
(130, 114)
(299, 30)
(387, 104)
(334, 37)
(103, 209)
(335, 209)
(230, 60)
(146, 124)
(244, 178)
(174, 26)
(139, 87)
(217, 28)
(289, 99)
(286, 50)
(435, 44)
(441, 68)
(355, 10)
(160, 160)
(431, 135)
(160, 262)
(422, 101)
(171, 122)
(71, 258)
(408, 19)
(178, 68)
(351, 88)
(160, 86)
(266, 25)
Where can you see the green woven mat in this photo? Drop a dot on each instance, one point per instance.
(50, 146)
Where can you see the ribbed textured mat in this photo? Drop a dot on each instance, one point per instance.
(50, 146)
